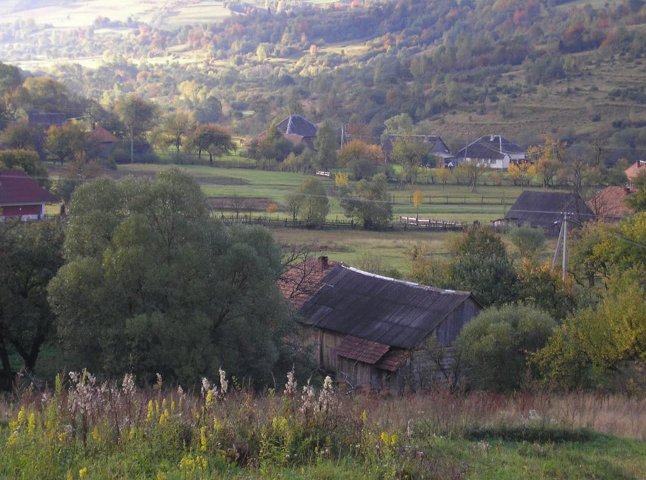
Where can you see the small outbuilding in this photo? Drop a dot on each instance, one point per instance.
(21, 197)
(547, 210)
(375, 331)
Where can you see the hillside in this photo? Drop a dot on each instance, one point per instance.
(522, 69)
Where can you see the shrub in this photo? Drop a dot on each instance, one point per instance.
(493, 348)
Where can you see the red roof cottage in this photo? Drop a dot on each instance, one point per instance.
(21, 197)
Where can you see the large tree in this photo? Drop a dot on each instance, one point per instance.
(153, 284)
(30, 255)
(481, 266)
(312, 204)
(326, 144)
(66, 143)
(369, 202)
(138, 116)
(213, 139)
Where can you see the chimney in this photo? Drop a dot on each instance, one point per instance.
(323, 262)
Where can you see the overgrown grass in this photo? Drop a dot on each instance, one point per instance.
(90, 430)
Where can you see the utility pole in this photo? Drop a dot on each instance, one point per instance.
(564, 267)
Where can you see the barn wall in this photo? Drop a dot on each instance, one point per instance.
(329, 342)
(357, 374)
(451, 327)
(423, 369)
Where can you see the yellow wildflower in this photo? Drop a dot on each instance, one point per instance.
(95, 434)
(163, 419)
(83, 472)
(384, 438)
(364, 417)
(393, 439)
(149, 414)
(203, 439)
(21, 415)
(31, 423)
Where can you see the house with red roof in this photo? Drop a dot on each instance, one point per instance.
(21, 197)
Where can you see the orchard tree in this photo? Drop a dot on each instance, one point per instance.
(213, 139)
(66, 143)
(153, 284)
(369, 202)
(21, 136)
(313, 203)
(362, 158)
(137, 115)
(174, 130)
(410, 154)
(548, 159)
(30, 255)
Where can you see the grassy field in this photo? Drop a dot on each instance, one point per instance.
(441, 202)
(117, 432)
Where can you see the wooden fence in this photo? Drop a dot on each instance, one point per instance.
(410, 223)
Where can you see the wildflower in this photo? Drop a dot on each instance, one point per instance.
(203, 440)
(83, 472)
(393, 439)
(290, 386)
(327, 399)
(128, 385)
(21, 415)
(163, 418)
(158, 383)
(31, 423)
(150, 412)
(224, 383)
(364, 417)
(384, 438)
(96, 436)
(209, 398)
(69, 476)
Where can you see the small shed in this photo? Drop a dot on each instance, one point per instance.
(546, 210)
(21, 197)
(609, 203)
(379, 332)
(636, 169)
(492, 151)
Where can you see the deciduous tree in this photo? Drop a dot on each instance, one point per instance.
(138, 116)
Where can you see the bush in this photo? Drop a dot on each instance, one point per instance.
(493, 348)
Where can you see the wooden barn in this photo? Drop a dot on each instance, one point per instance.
(375, 331)
(546, 210)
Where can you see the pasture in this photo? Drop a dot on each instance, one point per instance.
(441, 202)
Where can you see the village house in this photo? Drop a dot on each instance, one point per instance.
(547, 210)
(373, 331)
(437, 148)
(21, 197)
(609, 203)
(104, 140)
(632, 172)
(492, 151)
(298, 130)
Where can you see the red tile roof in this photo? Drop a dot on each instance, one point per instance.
(17, 188)
(610, 203)
(101, 135)
(356, 348)
(302, 281)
